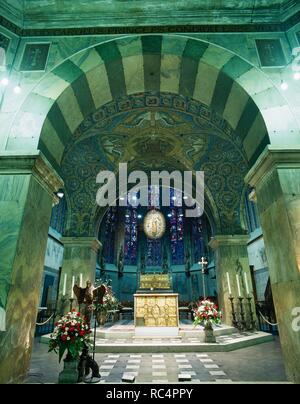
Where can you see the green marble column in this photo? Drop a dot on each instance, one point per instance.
(27, 184)
(80, 256)
(231, 256)
(276, 179)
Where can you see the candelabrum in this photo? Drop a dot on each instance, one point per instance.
(62, 306)
(252, 325)
(239, 315)
(233, 312)
(242, 321)
(71, 303)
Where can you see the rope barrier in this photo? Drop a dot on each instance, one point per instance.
(268, 322)
(45, 322)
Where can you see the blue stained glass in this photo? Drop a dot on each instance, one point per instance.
(131, 237)
(58, 216)
(110, 235)
(176, 222)
(154, 253)
(198, 234)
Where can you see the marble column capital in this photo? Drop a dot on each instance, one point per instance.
(83, 242)
(35, 163)
(270, 159)
(227, 240)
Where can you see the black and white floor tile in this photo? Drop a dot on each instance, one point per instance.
(160, 368)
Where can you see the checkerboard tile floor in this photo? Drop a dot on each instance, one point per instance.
(160, 368)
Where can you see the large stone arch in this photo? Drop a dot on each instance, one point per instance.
(226, 83)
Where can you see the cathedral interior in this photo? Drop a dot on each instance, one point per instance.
(175, 86)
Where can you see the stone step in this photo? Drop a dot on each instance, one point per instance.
(169, 347)
(184, 332)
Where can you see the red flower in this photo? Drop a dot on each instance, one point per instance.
(72, 329)
(63, 338)
(82, 333)
(78, 314)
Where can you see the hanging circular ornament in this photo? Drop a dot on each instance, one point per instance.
(154, 224)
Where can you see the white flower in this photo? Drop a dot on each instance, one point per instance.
(68, 339)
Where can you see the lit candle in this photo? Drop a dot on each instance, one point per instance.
(247, 285)
(73, 283)
(65, 285)
(228, 282)
(238, 285)
(81, 280)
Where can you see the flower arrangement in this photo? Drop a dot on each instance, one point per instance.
(205, 312)
(71, 334)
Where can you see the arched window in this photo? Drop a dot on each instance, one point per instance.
(199, 234)
(253, 222)
(176, 230)
(130, 238)
(110, 235)
(58, 216)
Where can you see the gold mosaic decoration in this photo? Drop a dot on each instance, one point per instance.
(155, 281)
(156, 310)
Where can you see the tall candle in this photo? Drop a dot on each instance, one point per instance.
(246, 283)
(228, 282)
(73, 283)
(238, 285)
(81, 280)
(65, 285)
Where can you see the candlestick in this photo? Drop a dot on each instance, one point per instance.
(228, 282)
(80, 281)
(246, 283)
(243, 325)
(71, 304)
(73, 284)
(233, 312)
(252, 319)
(238, 285)
(62, 306)
(65, 285)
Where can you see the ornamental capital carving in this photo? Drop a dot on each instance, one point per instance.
(34, 163)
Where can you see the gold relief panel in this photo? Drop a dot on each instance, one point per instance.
(159, 310)
(155, 281)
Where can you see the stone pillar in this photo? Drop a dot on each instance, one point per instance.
(231, 256)
(276, 179)
(27, 186)
(80, 257)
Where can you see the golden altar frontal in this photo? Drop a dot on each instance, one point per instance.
(156, 310)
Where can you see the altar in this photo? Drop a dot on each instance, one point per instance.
(156, 307)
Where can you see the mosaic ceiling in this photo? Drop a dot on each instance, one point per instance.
(152, 136)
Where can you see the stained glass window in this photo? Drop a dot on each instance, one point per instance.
(154, 253)
(154, 247)
(110, 235)
(130, 239)
(176, 217)
(253, 221)
(58, 216)
(198, 237)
